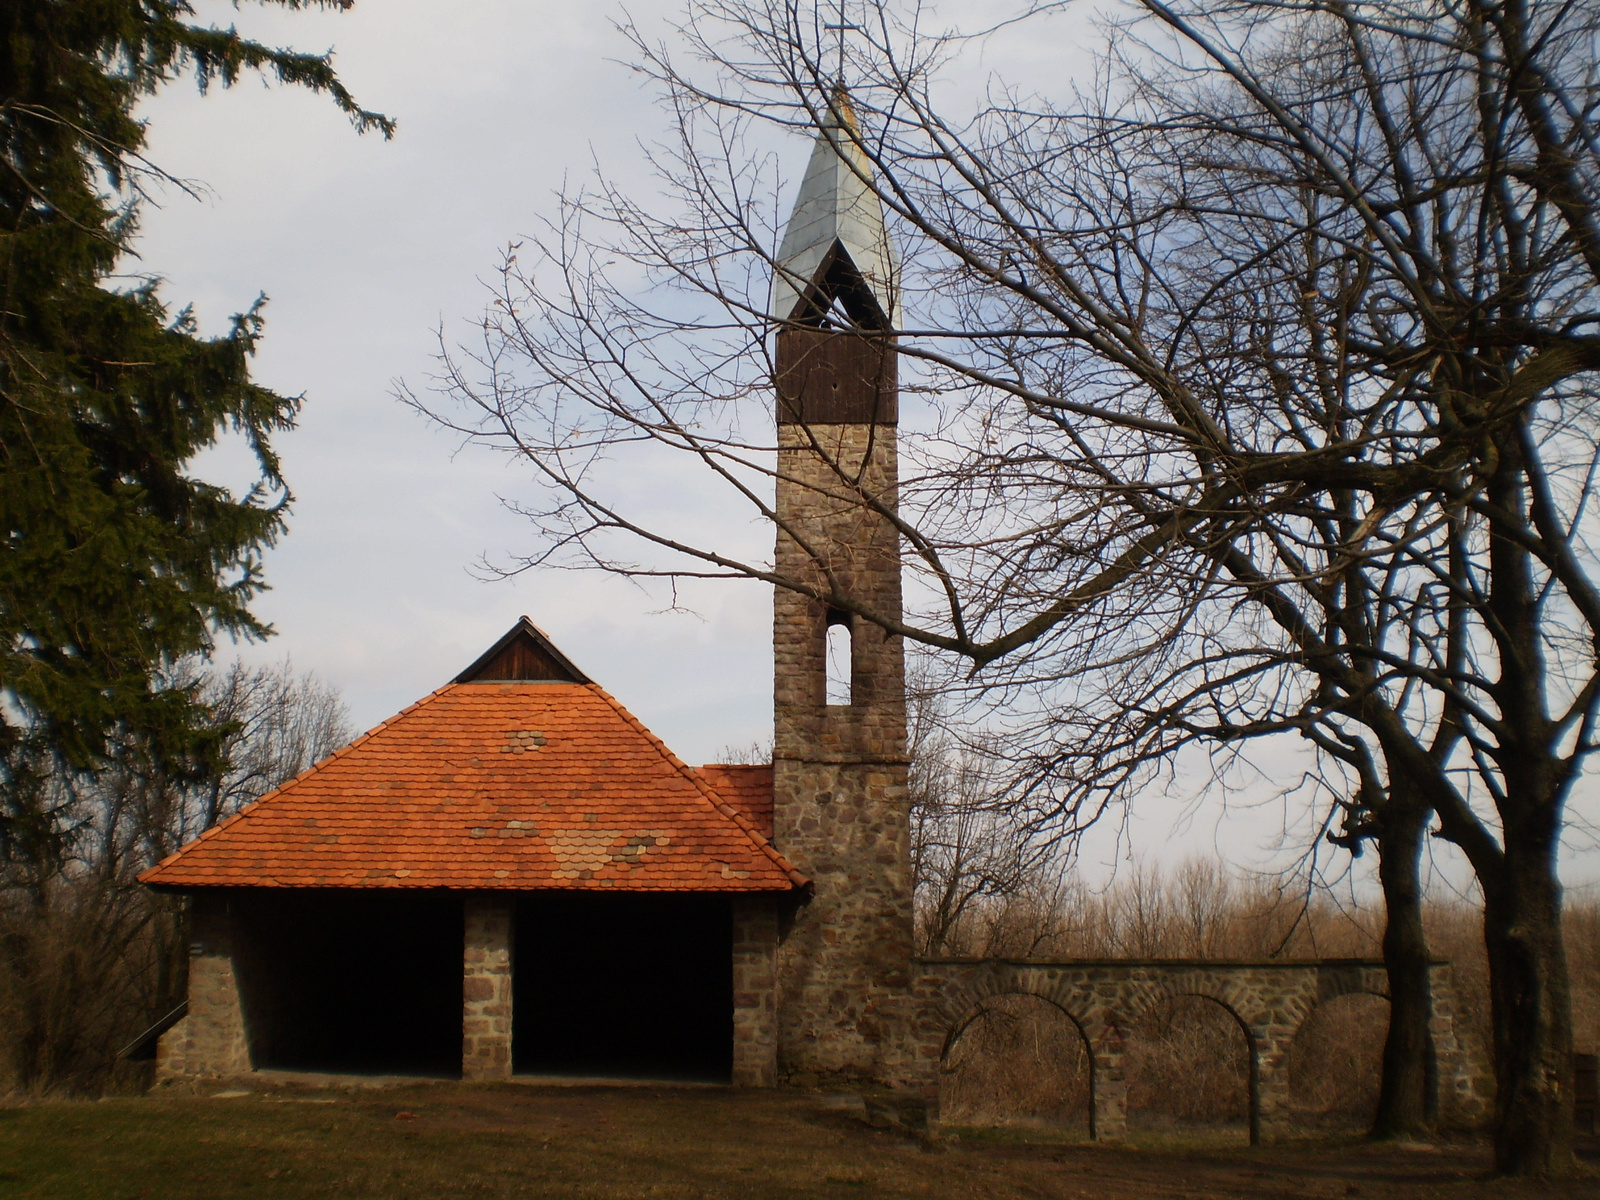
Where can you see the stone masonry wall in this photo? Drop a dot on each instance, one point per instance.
(1270, 1000)
(486, 987)
(755, 991)
(840, 802)
(210, 1042)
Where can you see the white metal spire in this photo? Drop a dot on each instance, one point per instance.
(836, 244)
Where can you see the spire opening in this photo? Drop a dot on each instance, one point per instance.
(839, 297)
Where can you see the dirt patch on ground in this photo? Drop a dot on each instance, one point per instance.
(599, 1143)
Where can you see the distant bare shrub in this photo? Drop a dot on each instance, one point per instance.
(1187, 1063)
(1336, 1062)
(1022, 1061)
(82, 969)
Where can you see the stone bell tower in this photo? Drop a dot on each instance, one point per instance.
(839, 729)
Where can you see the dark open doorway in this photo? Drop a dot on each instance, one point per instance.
(351, 981)
(624, 986)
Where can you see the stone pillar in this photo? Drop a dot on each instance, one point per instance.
(1262, 1087)
(1270, 1101)
(486, 986)
(755, 991)
(1108, 1083)
(930, 1030)
(210, 1042)
(1465, 1075)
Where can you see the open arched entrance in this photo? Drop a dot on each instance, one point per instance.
(1019, 1060)
(1191, 1069)
(1335, 1063)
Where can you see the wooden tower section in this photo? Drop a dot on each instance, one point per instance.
(839, 761)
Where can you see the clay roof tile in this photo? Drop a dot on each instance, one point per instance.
(524, 785)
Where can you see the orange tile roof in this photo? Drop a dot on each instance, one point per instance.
(499, 786)
(747, 788)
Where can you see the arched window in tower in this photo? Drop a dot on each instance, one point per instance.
(837, 658)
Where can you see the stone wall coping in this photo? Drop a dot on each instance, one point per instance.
(1285, 964)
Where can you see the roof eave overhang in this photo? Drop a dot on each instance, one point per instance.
(792, 888)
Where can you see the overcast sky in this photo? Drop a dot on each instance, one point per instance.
(366, 249)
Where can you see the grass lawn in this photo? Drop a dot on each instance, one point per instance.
(451, 1140)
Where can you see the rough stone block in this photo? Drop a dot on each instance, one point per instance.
(211, 1042)
(486, 987)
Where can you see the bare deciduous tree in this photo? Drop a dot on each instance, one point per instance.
(965, 850)
(1260, 402)
(280, 722)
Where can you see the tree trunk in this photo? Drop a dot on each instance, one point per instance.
(1406, 1101)
(1532, 1014)
(1530, 1001)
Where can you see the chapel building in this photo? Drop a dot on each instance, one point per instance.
(514, 875)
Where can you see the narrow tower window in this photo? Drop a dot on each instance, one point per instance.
(837, 656)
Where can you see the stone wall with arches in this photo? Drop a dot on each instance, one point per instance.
(1270, 1000)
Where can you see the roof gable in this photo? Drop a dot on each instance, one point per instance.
(524, 654)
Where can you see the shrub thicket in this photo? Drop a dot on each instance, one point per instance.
(89, 958)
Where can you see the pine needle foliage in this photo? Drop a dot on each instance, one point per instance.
(115, 559)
